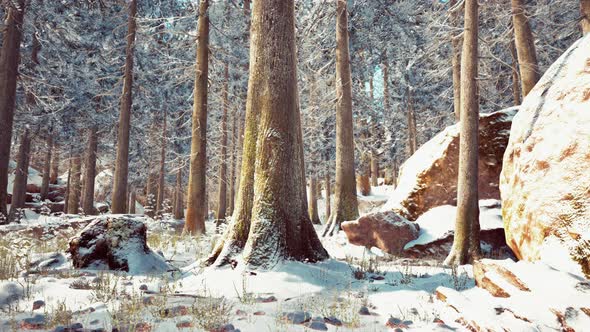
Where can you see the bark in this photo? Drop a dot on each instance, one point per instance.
(68, 183)
(47, 167)
(456, 63)
(515, 77)
(467, 222)
(19, 186)
(150, 193)
(119, 200)
(9, 61)
(197, 205)
(412, 131)
(178, 201)
(54, 166)
(132, 199)
(74, 194)
(232, 177)
(346, 206)
(585, 11)
(162, 174)
(90, 172)
(374, 169)
(328, 195)
(222, 191)
(525, 47)
(313, 201)
(385, 83)
(364, 183)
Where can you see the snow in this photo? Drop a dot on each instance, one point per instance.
(34, 176)
(439, 222)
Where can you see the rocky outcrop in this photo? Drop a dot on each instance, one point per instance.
(429, 177)
(116, 243)
(384, 230)
(545, 181)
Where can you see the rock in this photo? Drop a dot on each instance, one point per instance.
(492, 277)
(429, 177)
(36, 322)
(545, 178)
(395, 323)
(46, 262)
(318, 326)
(364, 311)
(143, 287)
(33, 188)
(259, 313)
(175, 311)
(297, 317)
(384, 230)
(9, 293)
(333, 321)
(116, 243)
(38, 304)
(268, 299)
(184, 324)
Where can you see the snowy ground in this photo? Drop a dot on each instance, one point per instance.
(356, 290)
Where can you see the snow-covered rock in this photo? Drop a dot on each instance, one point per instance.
(384, 230)
(545, 182)
(10, 292)
(116, 242)
(429, 177)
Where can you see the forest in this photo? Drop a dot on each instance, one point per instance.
(294, 165)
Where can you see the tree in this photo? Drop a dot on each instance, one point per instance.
(19, 187)
(162, 174)
(9, 61)
(54, 165)
(119, 200)
(585, 11)
(466, 235)
(525, 47)
(74, 192)
(47, 167)
(273, 155)
(197, 203)
(222, 191)
(313, 201)
(456, 59)
(346, 206)
(90, 172)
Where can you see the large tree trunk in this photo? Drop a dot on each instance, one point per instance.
(313, 201)
(19, 187)
(54, 165)
(9, 60)
(90, 172)
(119, 201)
(232, 176)
(467, 223)
(456, 62)
(374, 169)
(178, 201)
(222, 192)
(346, 206)
(585, 11)
(525, 47)
(515, 77)
(132, 200)
(197, 205)
(47, 167)
(412, 130)
(363, 178)
(74, 194)
(328, 195)
(162, 174)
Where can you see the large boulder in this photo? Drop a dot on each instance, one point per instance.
(384, 230)
(116, 242)
(429, 177)
(545, 181)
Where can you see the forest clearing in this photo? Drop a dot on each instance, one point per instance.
(294, 165)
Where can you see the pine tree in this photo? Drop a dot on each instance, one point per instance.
(525, 47)
(90, 172)
(19, 187)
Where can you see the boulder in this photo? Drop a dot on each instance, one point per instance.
(496, 279)
(545, 182)
(429, 177)
(33, 188)
(385, 230)
(116, 242)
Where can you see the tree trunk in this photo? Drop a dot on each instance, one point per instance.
(525, 47)
(346, 206)
(47, 167)
(385, 83)
(374, 169)
(162, 174)
(90, 172)
(363, 178)
(54, 165)
(313, 201)
(394, 173)
(150, 193)
(178, 201)
(515, 78)
(456, 62)
(68, 183)
(467, 221)
(19, 187)
(412, 131)
(232, 177)
(119, 201)
(195, 223)
(132, 200)
(585, 11)
(328, 195)
(222, 192)
(9, 61)
(74, 195)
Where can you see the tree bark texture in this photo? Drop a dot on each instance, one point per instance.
(313, 201)
(74, 194)
(525, 47)
(222, 187)
(456, 63)
(515, 75)
(19, 187)
(90, 172)
(47, 167)
(585, 12)
(162, 173)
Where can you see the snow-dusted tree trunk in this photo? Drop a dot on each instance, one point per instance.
(90, 172)
(346, 206)
(412, 130)
(19, 187)
(132, 199)
(9, 61)
(467, 222)
(47, 167)
(232, 176)
(515, 76)
(328, 195)
(385, 69)
(374, 168)
(456, 61)
(222, 187)
(585, 12)
(119, 200)
(68, 183)
(313, 201)
(525, 47)
(178, 201)
(54, 165)
(162, 173)
(74, 193)
(197, 204)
